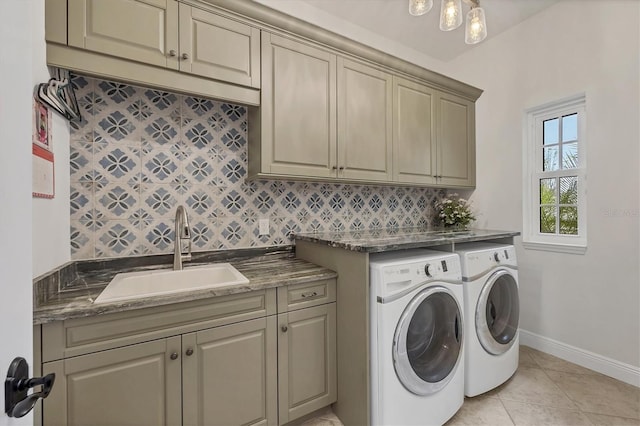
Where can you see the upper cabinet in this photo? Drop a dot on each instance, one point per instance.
(217, 47)
(327, 116)
(364, 122)
(294, 133)
(167, 44)
(140, 30)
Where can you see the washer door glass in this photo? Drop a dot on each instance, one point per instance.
(428, 341)
(498, 312)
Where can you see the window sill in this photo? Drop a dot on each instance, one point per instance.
(555, 247)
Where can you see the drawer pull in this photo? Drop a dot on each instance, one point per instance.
(284, 328)
(305, 295)
(174, 356)
(189, 352)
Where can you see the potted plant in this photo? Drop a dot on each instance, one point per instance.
(455, 212)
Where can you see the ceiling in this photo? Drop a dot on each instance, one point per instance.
(391, 19)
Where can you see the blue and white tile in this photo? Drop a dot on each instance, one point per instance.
(234, 232)
(118, 127)
(116, 239)
(81, 240)
(160, 164)
(234, 202)
(198, 108)
(160, 130)
(80, 160)
(263, 203)
(118, 95)
(233, 139)
(161, 103)
(118, 163)
(118, 200)
(203, 234)
(200, 168)
(81, 196)
(199, 136)
(159, 201)
(288, 227)
(217, 122)
(232, 170)
(233, 113)
(203, 202)
(158, 237)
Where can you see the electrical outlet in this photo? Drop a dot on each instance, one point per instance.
(264, 226)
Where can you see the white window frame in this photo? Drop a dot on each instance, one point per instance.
(533, 171)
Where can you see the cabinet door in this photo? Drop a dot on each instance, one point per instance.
(230, 376)
(456, 141)
(140, 30)
(306, 361)
(217, 47)
(133, 385)
(364, 122)
(414, 149)
(298, 108)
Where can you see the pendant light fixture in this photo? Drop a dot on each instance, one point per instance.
(420, 7)
(476, 28)
(451, 17)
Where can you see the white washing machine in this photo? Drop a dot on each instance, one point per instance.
(492, 309)
(417, 367)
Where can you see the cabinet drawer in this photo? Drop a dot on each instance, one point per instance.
(63, 339)
(305, 295)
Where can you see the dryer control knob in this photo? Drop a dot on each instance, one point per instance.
(496, 257)
(427, 269)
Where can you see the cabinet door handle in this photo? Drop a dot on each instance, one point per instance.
(185, 56)
(303, 295)
(174, 356)
(173, 53)
(189, 352)
(284, 328)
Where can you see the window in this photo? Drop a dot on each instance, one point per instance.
(555, 177)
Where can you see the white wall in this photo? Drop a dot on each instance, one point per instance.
(50, 217)
(15, 189)
(591, 301)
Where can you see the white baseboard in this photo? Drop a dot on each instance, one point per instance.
(607, 366)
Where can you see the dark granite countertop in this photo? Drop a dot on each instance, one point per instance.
(380, 240)
(68, 292)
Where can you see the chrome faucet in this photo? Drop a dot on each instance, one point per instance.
(182, 233)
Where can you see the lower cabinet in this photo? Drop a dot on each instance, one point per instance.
(263, 371)
(132, 385)
(306, 361)
(229, 375)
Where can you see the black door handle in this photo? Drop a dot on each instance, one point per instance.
(16, 401)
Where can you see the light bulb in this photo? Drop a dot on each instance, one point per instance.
(419, 7)
(450, 15)
(476, 28)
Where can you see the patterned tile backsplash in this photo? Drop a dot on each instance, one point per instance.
(139, 153)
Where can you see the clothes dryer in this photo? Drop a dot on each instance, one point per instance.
(416, 329)
(492, 309)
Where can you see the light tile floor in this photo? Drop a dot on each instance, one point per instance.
(544, 391)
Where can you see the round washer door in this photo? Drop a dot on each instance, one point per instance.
(498, 313)
(427, 344)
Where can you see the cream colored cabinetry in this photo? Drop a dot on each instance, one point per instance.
(327, 116)
(230, 375)
(456, 159)
(433, 136)
(307, 374)
(132, 385)
(210, 361)
(219, 361)
(139, 30)
(172, 45)
(364, 122)
(321, 115)
(414, 141)
(294, 132)
(217, 47)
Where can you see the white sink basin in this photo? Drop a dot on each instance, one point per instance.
(136, 285)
